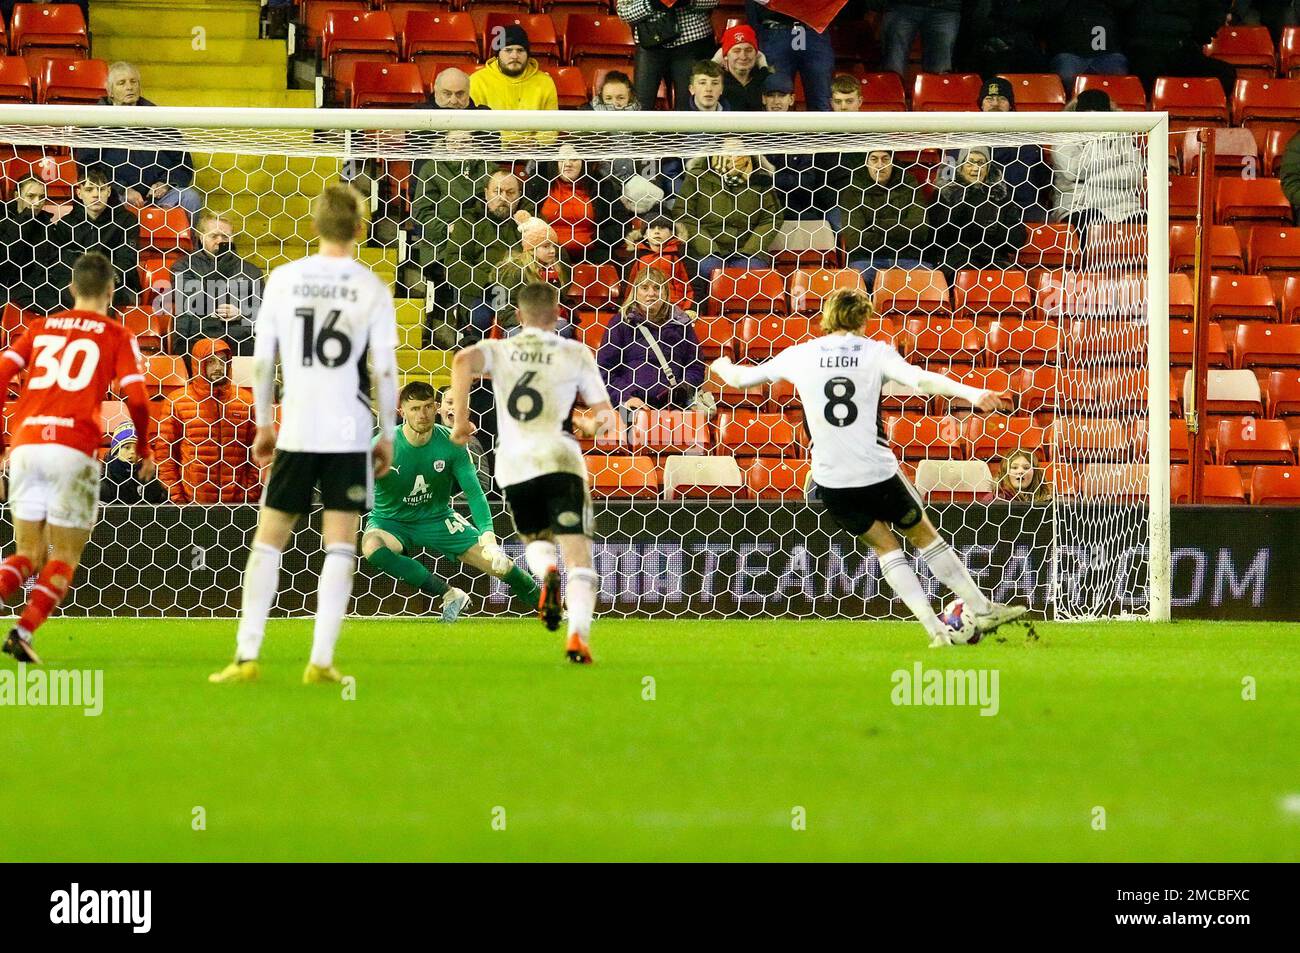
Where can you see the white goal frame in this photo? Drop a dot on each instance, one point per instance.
(51, 122)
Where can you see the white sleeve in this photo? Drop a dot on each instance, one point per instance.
(590, 384)
(383, 360)
(265, 349)
(896, 369)
(735, 375)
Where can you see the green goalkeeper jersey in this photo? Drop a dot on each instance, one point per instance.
(422, 481)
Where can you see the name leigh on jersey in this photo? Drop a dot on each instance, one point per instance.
(839, 360)
(339, 292)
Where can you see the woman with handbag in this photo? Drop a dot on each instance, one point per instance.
(670, 36)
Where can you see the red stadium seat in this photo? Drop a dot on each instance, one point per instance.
(946, 92)
(1284, 393)
(1181, 297)
(943, 341)
(40, 26)
(996, 435)
(1273, 248)
(311, 14)
(1091, 294)
(15, 81)
(142, 322)
(747, 291)
(1115, 245)
(1235, 151)
(1097, 438)
(1289, 49)
(991, 293)
(430, 68)
(595, 286)
(350, 37)
(715, 335)
(1037, 92)
(1273, 139)
(777, 479)
(379, 85)
(1275, 486)
(72, 81)
(571, 89)
(882, 92)
(669, 431)
(910, 291)
(1242, 297)
(1126, 92)
(623, 476)
(165, 228)
(1252, 441)
(760, 338)
(1249, 48)
(1036, 390)
(1251, 200)
(1020, 343)
(1094, 342)
(440, 35)
(597, 37)
(1049, 245)
(927, 438)
(1222, 485)
(1291, 300)
(806, 287)
(1265, 100)
(748, 434)
(1263, 344)
(164, 374)
(543, 43)
(1190, 101)
(1184, 196)
(1179, 442)
(1182, 345)
(1224, 250)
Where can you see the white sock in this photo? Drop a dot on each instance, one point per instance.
(898, 573)
(333, 592)
(541, 556)
(580, 600)
(949, 570)
(261, 581)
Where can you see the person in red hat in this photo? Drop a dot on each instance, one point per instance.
(746, 69)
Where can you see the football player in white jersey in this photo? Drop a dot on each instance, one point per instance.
(536, 376)
(323, 317)
(839, 377)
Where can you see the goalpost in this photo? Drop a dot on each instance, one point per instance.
(700, 511)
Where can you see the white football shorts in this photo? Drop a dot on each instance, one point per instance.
(53, 483)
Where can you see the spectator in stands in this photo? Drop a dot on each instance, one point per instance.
(568, 198)
(661, 248)
(481, 238)
(973, 221)
(936, 20)
(670, 39)
(1290, 174)
(121, 483)
(626, 187)
(1022, 479)
(1083, 37)
(884, 209)
(650, 356)
(616, 94)
(162, 177)
(204, 441)
(215, 293)
(706, 88)
(831, 170)
(446, 404)
(537, 260)
(732, 211)
(514, 80)
(1274, 14)
(1024, 168)
(746, 69)
(794, 173)
(778, 94)
(451, 90)
(1100, 179)
(30, 248)
(792, 46)
(96, 225)
(1000, 36)
(1165, 37)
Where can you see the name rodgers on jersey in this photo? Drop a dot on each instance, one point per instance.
(329, 292)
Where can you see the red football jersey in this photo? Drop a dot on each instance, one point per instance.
(72, 359)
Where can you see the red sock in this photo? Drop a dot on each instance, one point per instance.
(45, 595)
(14, 571)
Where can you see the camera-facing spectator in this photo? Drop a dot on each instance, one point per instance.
(1024, 168)
(1100, 179)
(214, 293)
(659, 247)
(95, 224)
(706, 88)
(616, 94)
(937, 21)
(536, 261)
(670, 37)
(30, 246)
(973, 221)
(650, 356)
(778, 93)
(480, 239)
(731, 204)
(1023, 480)
(745, 68)
(162, 177)
(1083, 38)
(794, 47)
(121, 483)
(514, 80)
(884, 209)
(205, 439)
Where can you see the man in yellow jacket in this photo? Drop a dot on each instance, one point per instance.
(513, 80)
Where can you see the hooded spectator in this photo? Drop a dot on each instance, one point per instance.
(745, 67)
(1100, 177)
(204, 441)
(569, 199)
(1024, 169)
(670, 37)
(121, 483)
(660, 248)
(884, 209)
(731, 205)
(214, 293)
(973, 220)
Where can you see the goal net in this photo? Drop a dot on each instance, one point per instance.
(1017, 252)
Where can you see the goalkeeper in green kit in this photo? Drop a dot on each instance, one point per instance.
(413, 511)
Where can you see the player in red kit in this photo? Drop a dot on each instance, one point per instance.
(71, 359)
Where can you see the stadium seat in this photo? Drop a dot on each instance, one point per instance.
(703, 477)
(624, 477)
(946, 92)
(381, 85)
(1222, 485)
(1273, 139)
(1049, 245)
(72, 81)
(748, 434)
(1284, 393)
(1097, 439)
(1190, 101)
(805, 243)
(806, 287)
(597, 37)
(15, 81)
(311, 14)
(1182, 344)
(1224, 251)
(590, 325)
(1181, 297)
(352, 36)
(1273, 248)
(882, 92)
(1265, 100)
(760, 338)
(543, 43)
(777, 479)
(1184, 197)
(1019, 343)
(1229, 392)
(1289, 51)
(996, 435)
(1236, 151)
(919, 438)
(1037, 92)
(142, 323)
(1122, 482)
(911, 291)
(747, 291)
(1248, 440)
(439, 35)
(1179, 442)
(48, 26)
(571, 90)
(1111, 245)
(954, 481)
(942, 340)
(594, 286)
(1251, 200)
(1275, 486)
(1242, 297)
(1126, 92)
(1291, 300)
(164, 374)
(1263, 344)
(165, 228)
(431, 67)
(715, 335)
(1249, 48)
(669, 431)
(1093, 342)
(1090, 294)
(991, 293)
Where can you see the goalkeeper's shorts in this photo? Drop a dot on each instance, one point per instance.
(447, 533)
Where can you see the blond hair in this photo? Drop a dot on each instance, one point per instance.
(337, 213)
(846, 309)
(648, 276)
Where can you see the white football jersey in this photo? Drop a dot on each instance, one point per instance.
(536, 378)
(323, 316)
(839, 378)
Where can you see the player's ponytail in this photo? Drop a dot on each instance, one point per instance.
(846, 309)
(338, 213)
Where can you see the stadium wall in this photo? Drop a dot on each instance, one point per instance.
(683, 559)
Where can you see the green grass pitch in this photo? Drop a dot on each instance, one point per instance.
(458, 731)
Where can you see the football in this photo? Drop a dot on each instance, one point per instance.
(955, 617)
